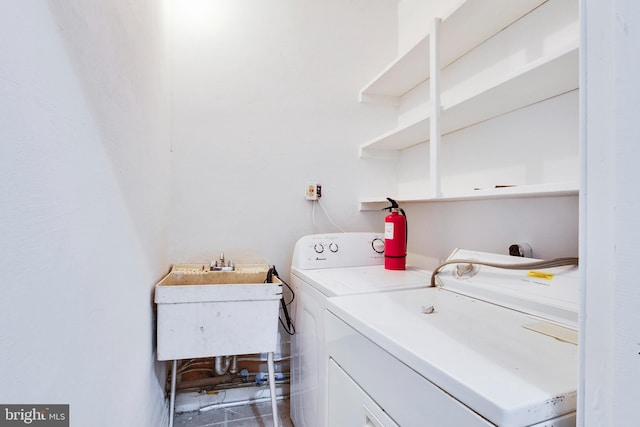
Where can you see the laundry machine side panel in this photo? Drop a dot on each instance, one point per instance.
(308, 374)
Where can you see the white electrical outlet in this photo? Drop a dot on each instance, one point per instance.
(312, 191)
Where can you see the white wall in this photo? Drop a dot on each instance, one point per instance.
(548, 224)
(264, 101)
(416, 16)
(610, 341)
(83, 213)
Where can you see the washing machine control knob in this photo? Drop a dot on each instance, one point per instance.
(333, 247)
(378, 245)
(318, 247)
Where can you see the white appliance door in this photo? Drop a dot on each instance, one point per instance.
(349, 405)
(406, 396)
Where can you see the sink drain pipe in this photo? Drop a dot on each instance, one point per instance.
(230, 364)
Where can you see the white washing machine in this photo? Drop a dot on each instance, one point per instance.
(323, 266)
(485, 347)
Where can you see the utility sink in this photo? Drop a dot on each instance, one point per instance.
(204, 313)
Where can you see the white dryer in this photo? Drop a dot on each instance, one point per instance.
(485, 347)
(323, 266)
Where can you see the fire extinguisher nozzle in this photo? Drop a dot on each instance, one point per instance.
(394, 205)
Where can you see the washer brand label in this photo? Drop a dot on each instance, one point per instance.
(34, 415)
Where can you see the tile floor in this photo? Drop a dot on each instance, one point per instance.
(247, 415)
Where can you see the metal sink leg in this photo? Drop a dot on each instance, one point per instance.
(272, 388)
(172, 401)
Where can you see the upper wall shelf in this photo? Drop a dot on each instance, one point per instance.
(541, 79)
(470, 24)
(406, 72)
(475, 21)
(475, 93)
(399, 138)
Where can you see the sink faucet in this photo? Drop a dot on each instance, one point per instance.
(219, 265)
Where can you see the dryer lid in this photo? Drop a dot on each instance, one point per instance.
(552, 294)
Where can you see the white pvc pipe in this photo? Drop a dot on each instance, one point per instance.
(215, 406)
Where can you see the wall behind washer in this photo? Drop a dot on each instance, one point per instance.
(265, 98)
(548, 224)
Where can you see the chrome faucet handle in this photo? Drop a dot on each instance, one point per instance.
(220, 265)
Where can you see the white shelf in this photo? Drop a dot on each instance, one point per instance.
(483, 96)
(399, 138)
(406, 72)
(535, 190)
(474, 21)
(467, 26)
(539, 80)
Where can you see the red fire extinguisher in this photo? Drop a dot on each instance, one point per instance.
(395, 237)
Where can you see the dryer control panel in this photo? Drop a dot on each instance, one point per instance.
(338, 250)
